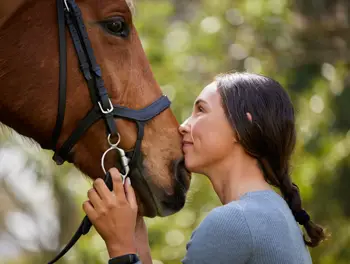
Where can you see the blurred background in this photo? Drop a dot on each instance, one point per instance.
(302, 44)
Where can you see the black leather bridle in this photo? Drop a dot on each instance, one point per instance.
(69, 14)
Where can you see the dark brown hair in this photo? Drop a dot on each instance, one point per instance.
(270, 137)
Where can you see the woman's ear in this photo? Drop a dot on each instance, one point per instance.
(235, 137)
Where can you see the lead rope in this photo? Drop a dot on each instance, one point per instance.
(86, 224)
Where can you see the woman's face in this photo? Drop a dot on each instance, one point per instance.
(207, 135)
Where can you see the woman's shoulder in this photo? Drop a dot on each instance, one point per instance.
(251, 211)
(268, 215)
(247, 215)
(250, 205)
(266, 206)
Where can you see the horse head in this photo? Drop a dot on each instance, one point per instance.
(29, 74)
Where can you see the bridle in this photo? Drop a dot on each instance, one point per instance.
(69, 14)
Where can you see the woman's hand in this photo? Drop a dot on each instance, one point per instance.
(113, 214)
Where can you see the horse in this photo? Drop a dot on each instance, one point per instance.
(30, 101)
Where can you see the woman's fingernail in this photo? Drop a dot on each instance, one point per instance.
(128, 180)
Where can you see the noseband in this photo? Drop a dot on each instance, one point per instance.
(69, 15)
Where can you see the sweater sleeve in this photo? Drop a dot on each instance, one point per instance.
(222, 237)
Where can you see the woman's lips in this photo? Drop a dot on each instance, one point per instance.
(186, 145)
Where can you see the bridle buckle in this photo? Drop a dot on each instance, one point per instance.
(109, 110)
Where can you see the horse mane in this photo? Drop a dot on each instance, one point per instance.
(11, 133)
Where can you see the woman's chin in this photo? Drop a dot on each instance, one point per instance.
(190, 165)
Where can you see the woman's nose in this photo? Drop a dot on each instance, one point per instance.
(184, 127)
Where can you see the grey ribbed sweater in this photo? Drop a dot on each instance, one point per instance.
(259, 228)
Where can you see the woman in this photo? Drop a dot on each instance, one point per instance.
(241, 135)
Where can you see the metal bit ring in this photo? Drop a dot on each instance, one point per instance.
(124, 160)
(109, 140)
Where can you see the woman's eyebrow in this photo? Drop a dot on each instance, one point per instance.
(198, 101)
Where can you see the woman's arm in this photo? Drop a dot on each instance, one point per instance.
(141, 240)
(141, 243)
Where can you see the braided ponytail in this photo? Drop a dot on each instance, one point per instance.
(291, 194)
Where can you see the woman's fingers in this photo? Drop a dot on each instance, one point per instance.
(95, 199)
(122, 192)
(89, 210)
(118, 187)
(130, 194)
(102, 190)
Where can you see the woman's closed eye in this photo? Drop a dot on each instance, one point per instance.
(200, 109)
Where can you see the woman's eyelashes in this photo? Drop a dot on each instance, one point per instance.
(200, 109)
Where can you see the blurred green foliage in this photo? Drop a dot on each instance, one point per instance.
(302, 44)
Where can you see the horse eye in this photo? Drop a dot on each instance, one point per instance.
(116, 26)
